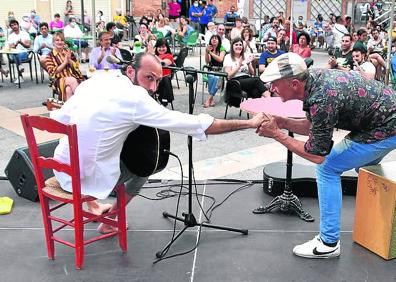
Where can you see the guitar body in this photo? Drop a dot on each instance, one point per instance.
(303, 180)
(143, 150)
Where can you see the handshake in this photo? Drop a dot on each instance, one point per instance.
(267, 125)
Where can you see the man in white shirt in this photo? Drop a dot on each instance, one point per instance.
(73, 31)
(18, 39)
(224, 41)
(365, 68)
(119, 107)
(43, 43)
(339, 30)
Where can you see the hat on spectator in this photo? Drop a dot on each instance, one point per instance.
(285, 66)
(271, 38)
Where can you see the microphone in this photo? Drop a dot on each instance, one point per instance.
(115, 60)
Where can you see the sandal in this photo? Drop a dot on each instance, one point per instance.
(260, 210)
(212, 103)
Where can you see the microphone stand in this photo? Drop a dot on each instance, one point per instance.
(189, 219)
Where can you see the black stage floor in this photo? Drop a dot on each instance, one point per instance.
(263, 255)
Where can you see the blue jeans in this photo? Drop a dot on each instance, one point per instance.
(212, 84)
(18, 58)
(344, 156)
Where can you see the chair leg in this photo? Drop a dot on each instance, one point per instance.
(31, 72)
(47, 227)
(225, 114)
(122, 234)
(79, 235)
(177, 80)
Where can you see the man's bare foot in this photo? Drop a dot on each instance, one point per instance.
(106, 229)
(98, 208)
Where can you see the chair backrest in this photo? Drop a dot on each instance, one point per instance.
(126, 55)
(193, 37)
(179, 62)
(40, 162)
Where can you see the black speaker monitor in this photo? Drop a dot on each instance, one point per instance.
(20, 172)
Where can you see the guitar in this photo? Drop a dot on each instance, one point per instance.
(143, 150)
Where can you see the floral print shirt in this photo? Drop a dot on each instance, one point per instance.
(346, 100)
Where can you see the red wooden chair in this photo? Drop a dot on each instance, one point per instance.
(51, 189)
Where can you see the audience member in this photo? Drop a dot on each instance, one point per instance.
(43, 43)
(302, 48)
(56, 24)
(62, 67)
(208, 15)
(98, 55)
(270, 54)
(342, 58)
(214, 57)
(115, 39)
(238, 67)
(195, 13)
(165, 56)
(317, 32)
(224, 41)
(249, 42)
(20, 40)
(69, 12)
(236, 31)
(72, 31)
(174, 9)
(339, 30)
(273, 31)
(210, 32)
(360, 63)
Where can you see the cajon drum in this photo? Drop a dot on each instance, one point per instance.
(375, 216)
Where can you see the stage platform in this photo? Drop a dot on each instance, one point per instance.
(265, 254)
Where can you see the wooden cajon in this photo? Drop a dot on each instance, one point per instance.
(375, 216)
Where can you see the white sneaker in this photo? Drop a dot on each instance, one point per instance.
(20, 79)
(316, 249)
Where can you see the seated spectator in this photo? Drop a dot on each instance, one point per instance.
(214, 57)
(375, 48)
(224, 41)
(56, 24)
(43, 43)
(184, 29)
(238, 67)
(18, 39)
(302, 48)
(293, 33)
(236, 31)
(317, 31)
(273, 31)
(62, 68)
(249, 42)
(361, 65)
(98, 55)
(73, 31)
(342, 58)
(165, 28)
(283, 44)
(34, 19)
(270, 54)
(101, 27)
(100, 17)
(151, 42)
(143, 35)
(115, 39)
(210, 32)
(163, 52)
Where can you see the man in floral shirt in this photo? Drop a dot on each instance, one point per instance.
(331, 99)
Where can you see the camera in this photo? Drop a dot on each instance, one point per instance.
(333, 50)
